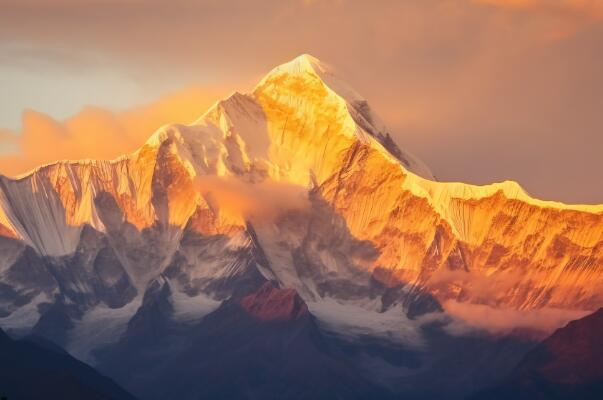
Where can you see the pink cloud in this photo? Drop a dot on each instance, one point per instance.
(468, 317)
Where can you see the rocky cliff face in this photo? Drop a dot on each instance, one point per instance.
(297, 182)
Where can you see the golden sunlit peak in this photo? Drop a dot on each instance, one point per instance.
(303, 63)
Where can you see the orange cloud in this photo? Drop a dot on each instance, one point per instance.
(586, 8)
(95, 132)
(565, 17)
(241, 200)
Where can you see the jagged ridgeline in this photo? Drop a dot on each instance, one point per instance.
(298, 183)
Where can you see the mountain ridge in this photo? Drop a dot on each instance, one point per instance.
(114, 226)
(566, 365)
(299, 184)
(31, 369)
(306, 63)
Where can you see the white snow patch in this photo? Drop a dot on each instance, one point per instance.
(192, 309)
(100, 326)
(353, 321)
(26, 316)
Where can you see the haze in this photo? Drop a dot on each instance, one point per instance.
(481, 90)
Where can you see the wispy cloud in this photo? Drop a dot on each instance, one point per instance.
(589, 9)
(468, 317)
(240, 200)
(96, 132)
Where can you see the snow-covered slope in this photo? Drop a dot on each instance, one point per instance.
(297, 182)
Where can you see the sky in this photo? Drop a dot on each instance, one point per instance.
(481, 90)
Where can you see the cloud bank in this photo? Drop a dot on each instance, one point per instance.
(96, 132)
(468, 317)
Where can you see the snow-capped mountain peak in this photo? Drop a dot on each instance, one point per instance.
(297, 182)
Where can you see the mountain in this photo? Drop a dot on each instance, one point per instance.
(36, 370)
(264, 344)
(298, 183)
(567, 365)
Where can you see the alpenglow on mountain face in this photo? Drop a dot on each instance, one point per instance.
(298, 183)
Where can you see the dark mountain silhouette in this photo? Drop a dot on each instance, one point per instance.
(37, 369)
(567, 365)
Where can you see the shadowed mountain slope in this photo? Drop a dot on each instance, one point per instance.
(567, 365)
(32, 370)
